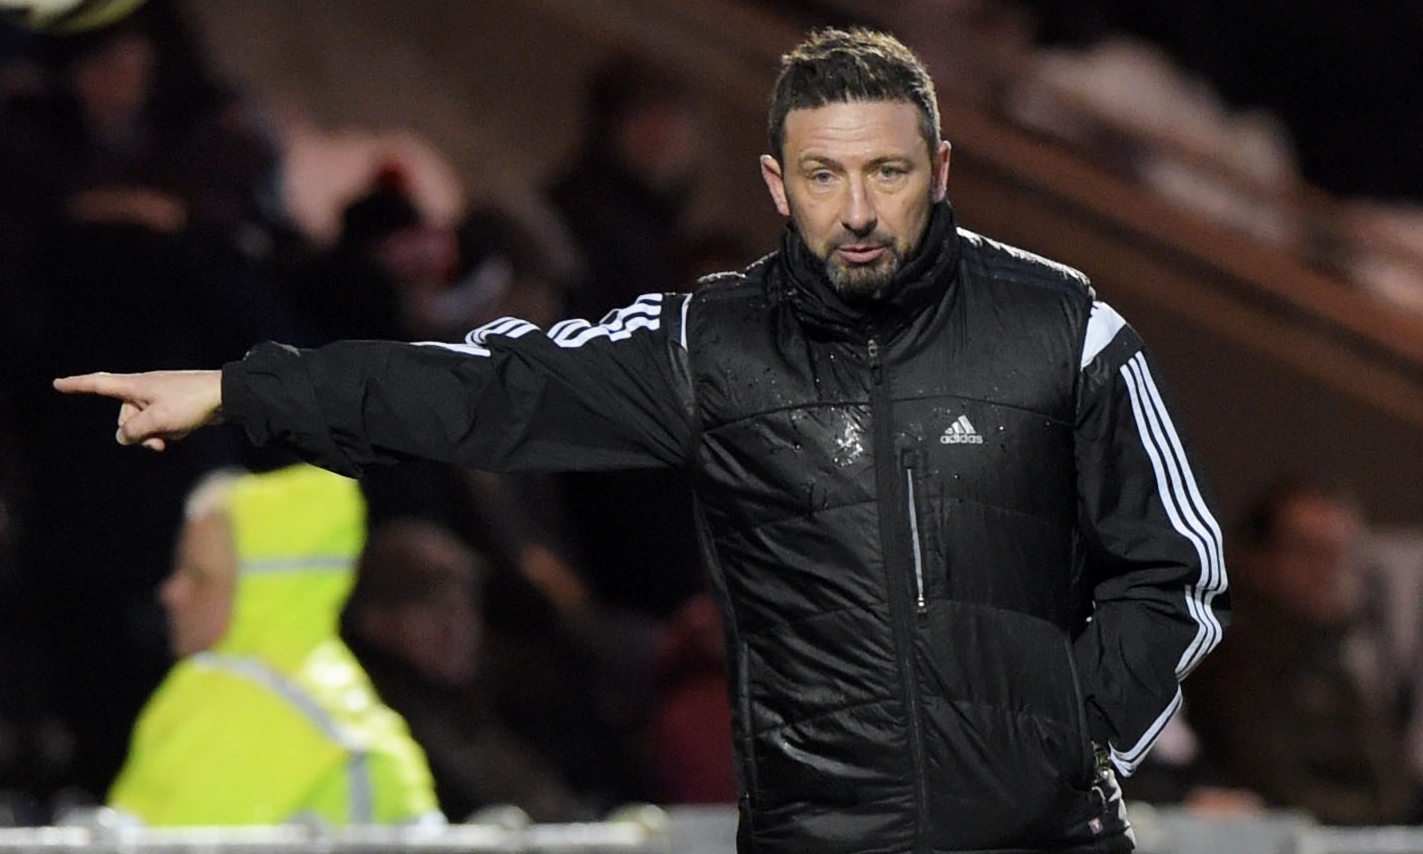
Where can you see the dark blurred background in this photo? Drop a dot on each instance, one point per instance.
(1241, 181)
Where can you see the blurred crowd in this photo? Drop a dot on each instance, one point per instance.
(548, 642)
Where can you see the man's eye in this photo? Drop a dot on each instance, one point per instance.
(821, 177)
(890, 172)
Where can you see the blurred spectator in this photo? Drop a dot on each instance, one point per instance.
(571, 678)
(347, 291)
(630, 533)
(325, 170)
(1305, 701)
(584, 568)
(134, 196)
(624, 201)
(397, 273)
(132, 128)
(625, 196)
(267, 717)
(568, 678)
(1397, 551)
(414, 621)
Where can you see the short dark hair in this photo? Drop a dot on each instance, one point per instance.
(839, 66)
(1261, 521)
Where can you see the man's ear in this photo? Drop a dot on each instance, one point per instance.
(941, 171)
(776, 183)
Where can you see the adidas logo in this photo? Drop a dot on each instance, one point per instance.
(961, 432)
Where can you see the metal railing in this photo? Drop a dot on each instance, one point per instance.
(647, 829)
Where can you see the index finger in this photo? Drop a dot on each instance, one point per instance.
(107, 384)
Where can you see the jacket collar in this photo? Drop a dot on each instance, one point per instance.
(919, 284)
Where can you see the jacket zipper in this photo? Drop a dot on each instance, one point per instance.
(912, 506)
(902, 607)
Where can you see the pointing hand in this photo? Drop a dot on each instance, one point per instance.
(157, 406)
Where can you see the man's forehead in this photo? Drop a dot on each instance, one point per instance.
(877, 124)
(857, 106)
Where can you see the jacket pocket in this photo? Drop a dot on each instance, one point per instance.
(1006, 730)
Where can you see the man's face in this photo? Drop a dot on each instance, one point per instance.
(858, 181)
(114, 80)
(438, 631)
(1312, 564)
(198, 595)
(439, 635)
(661, 143)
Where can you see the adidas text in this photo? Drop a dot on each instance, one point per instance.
(961, 432)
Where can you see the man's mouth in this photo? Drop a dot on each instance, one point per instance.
(858, 254)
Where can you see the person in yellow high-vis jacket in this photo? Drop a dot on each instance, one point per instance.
(267, 717)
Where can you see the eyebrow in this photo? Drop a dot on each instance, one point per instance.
(819, 160)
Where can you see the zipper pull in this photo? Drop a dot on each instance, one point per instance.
(872, 351)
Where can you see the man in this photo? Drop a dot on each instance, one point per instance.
(413, 620)
(961, 552)
(267, 717)
(1309, 702)
(624, 196)
(624, 199)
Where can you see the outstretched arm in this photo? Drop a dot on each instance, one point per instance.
(580, 396)
(157, 406)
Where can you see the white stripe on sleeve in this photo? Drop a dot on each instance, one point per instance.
(644, 313)
(1180, 496)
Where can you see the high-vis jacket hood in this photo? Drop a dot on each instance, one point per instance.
(298, 533)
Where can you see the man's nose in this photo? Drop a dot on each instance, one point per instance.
(858, 215)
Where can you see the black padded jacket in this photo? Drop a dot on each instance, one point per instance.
(964, 556)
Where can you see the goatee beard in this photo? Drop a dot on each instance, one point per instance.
(864, 283)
